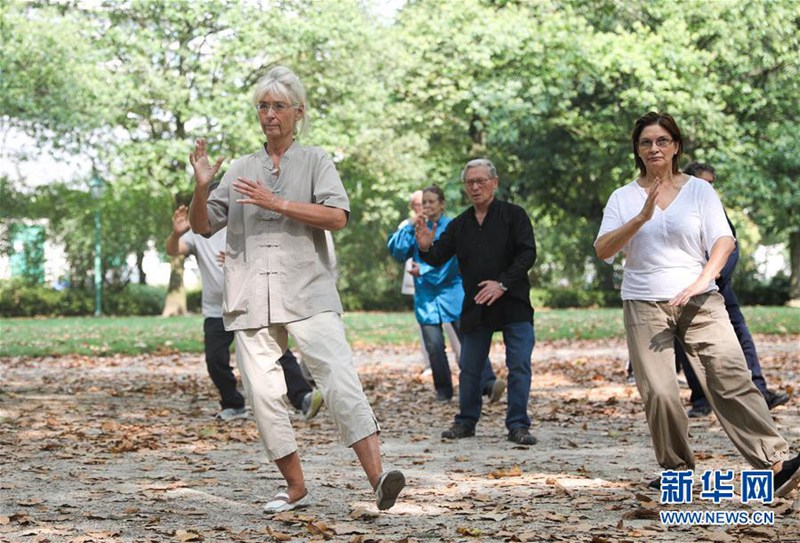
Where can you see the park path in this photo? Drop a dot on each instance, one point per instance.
(125, 449)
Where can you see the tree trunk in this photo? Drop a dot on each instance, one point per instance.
(140, 267)
(175, 303)
(794, 272)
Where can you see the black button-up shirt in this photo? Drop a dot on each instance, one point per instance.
(501, 249)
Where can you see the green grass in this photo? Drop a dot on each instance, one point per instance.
(139, 335)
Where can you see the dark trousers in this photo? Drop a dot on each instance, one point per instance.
(218, 342)
(519, 340)
(433, 341)
(698, 398)
(296, 385)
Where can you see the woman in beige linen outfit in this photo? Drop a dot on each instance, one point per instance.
(280, 279)
(673, 231)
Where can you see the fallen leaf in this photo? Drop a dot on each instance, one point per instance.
(278, 536)
(186, 535)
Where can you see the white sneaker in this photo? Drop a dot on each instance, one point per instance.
(232, 413)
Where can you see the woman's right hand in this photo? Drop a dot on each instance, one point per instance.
(649, 206)
(422, 233)
(204, 171)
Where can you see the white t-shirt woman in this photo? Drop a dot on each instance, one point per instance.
(670, 250)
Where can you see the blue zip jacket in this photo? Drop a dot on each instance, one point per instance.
(438, 292)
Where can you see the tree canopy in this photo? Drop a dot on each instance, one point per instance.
(549, 90)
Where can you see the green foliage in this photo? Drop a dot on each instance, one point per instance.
(576, 297)
(773, 292)
(20, 299)
(548, 90)
(194, 301)
(135, 299)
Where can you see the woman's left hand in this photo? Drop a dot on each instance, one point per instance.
(257, 194)
(698, 287)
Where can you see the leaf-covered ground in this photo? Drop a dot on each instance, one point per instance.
(125, 449)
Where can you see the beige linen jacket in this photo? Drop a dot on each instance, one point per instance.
(277, 270)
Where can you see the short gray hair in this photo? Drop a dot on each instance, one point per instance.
(479, 162)
(283, 82)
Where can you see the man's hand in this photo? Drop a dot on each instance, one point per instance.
(414, 271)
(490, 291)
(221, 258)
(180, 221)
(422, 233)
(204, 171)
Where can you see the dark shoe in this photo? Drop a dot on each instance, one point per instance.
(774, 399)
(389, 486)
(787, 478)
(629, 378)
(655, 484)
(457, 431)
(700, 411)
(521, 436)
(443, 397)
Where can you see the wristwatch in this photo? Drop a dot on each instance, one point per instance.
(502, 286)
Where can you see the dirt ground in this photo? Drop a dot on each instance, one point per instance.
(126, 449)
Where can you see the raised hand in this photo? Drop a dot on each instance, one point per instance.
(204, 171)
(180, 220)
(649, 206)
(422, 233)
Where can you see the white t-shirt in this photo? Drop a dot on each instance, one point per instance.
(211, 274)
(669, 252)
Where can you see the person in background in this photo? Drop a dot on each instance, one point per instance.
(438, 298)
(210, 255)
(494, 245)
(700, 406)
(672, 230)
(410, 271)
(278, 203)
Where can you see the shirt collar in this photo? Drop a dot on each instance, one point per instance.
(266, 159)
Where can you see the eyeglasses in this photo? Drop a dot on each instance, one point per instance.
(660, 143)
(277, 107)
(481, 181)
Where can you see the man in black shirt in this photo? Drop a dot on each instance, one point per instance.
(494, 243)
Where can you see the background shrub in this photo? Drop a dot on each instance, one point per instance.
(18, 299)
(194, 301)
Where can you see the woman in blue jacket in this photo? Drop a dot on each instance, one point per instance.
(438, 297)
